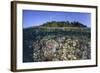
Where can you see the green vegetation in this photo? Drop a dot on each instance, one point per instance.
(63, 24)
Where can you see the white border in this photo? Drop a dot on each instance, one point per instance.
(21, 65)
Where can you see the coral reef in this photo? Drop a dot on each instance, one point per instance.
(61, 48)
(56, 44)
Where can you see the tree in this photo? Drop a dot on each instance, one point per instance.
(63, 24)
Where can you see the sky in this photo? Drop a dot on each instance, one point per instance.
(33, 18)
